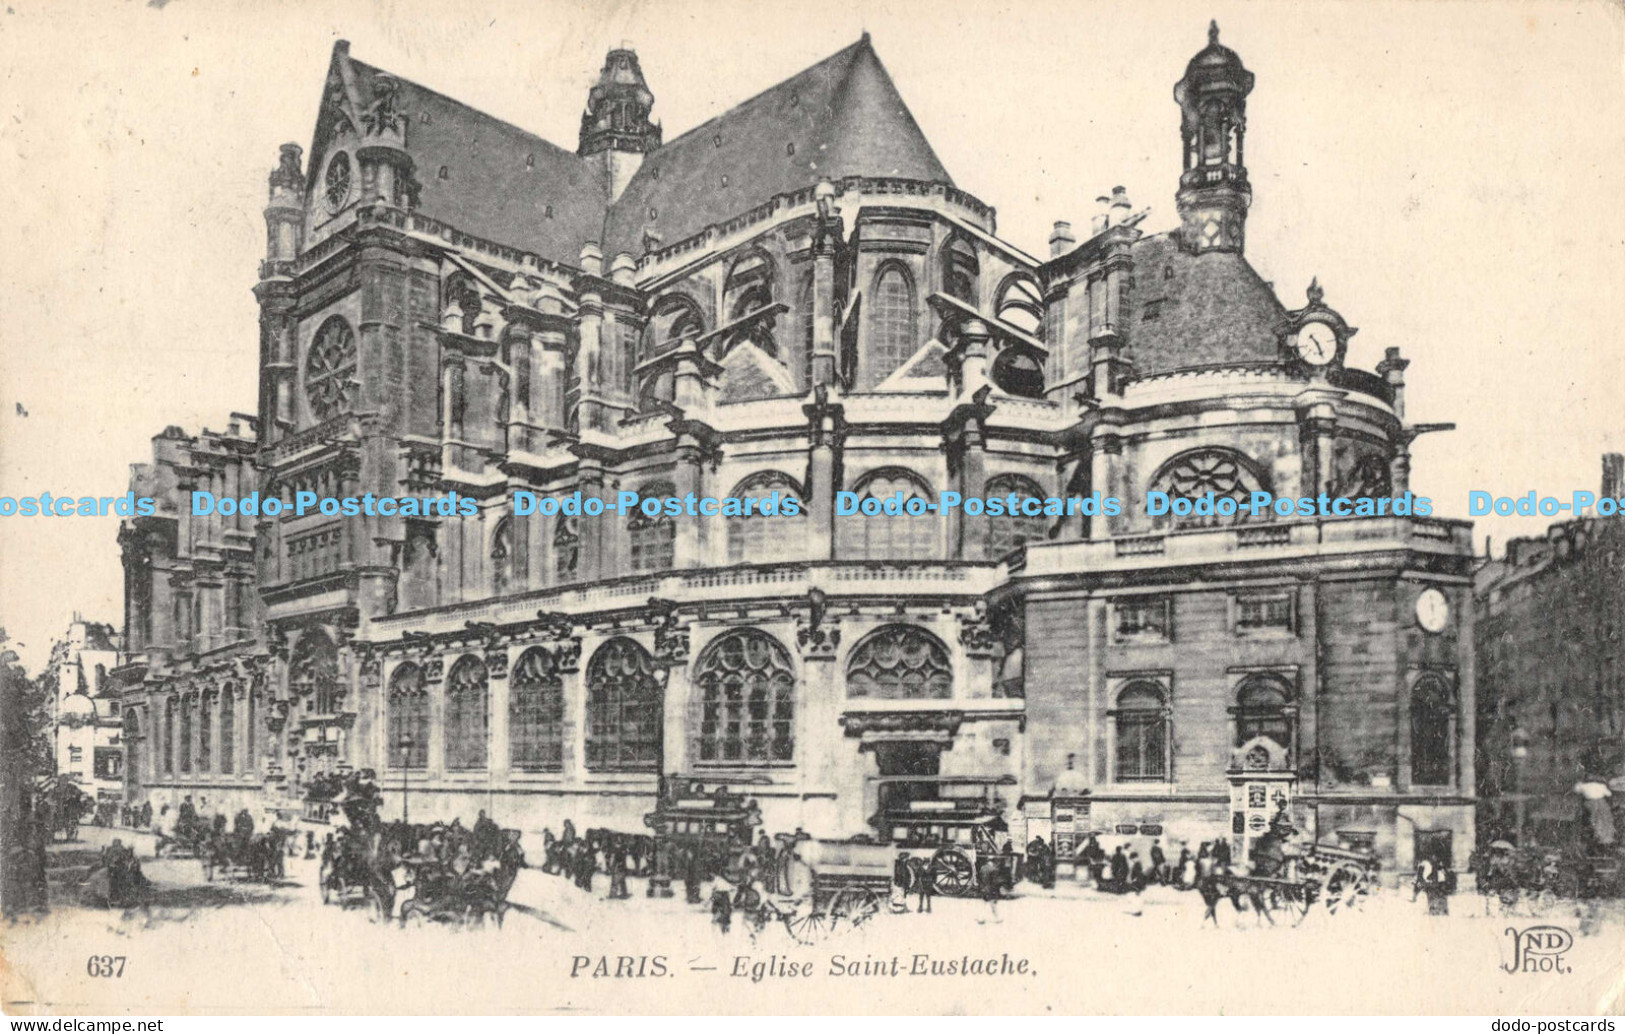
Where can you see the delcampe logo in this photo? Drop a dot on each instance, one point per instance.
(1539, 949)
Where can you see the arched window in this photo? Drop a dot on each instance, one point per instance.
(228, 729)
(1007, 532)
(170, 707)
(1223, 473)
(884, 536)
(671, 319)
(407, 722)
(205, 734)
(1432, 740)
(960, 270)
(1264, 708)
(744, 707)
(653, 540)
(1141, 728)
(748, 289)
(566, 550)
(330, 369)
(1017, 373)
(502, 557)
(757, 539)
(900, 662)
(188, 710)
(536, 713)
(891, 324)
(625, 710)
(468, 713)
(313, 673)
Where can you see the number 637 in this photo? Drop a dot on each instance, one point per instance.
(105, 965)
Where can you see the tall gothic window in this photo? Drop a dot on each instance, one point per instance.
(132, 747)
(1432, 713)
(1141, 729)
(502, 558)
(188, 710)
(566, 549)
(745, 704)
(330, 369)
(756, 539)
(900, 662)
(1009, 531)
(883, 536)
(800, 363)
(313, 673)
(228, 729)
(1264, 708)
(536, 713)
(1193, 475)
(407, 721)
(468, 712)
(205, 734)
(625, 709)
(653, 539)
(960, 270)
(891, 323)
(169, 735)
(251, 715)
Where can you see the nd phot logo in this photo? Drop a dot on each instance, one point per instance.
(1539, 949)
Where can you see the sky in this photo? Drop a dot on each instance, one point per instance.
(1451, 172)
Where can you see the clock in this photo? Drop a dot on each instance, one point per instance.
(1316, 343)
(1432, 610)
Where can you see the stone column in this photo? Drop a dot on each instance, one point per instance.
(826, 431)
(826, 241)
(1105, 448)
(498, 760)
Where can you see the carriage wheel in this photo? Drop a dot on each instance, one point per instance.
(952, 874)
(807, 929)
(1346, 888)
(857, 905)
(380, 908)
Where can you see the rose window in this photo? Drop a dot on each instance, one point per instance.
(330, 369)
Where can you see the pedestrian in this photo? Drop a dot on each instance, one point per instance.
(1119, 871)
(617, 874)
(900, 876)
(1136, 873)
(992, 881)
(1187, 869)
(1221, 855)
(1438, 890)
(1159, 863)
(722, 908)
(691, 876)
(927, 889)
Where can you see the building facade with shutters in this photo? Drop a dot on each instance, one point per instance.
(795, 300)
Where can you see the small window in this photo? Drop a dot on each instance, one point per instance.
(724, 180)
(654, 213)
(1264, 612)
(1144, 617)
(1153, 309)
(790, 148)
(445, 172)
(655, 172)
(530, 161)
(716, 141)
(547, 213)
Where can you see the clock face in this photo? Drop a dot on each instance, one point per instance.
(1432, 610)
(1317, 344)
(337, 183)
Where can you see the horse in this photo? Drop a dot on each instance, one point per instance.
(1217, 886)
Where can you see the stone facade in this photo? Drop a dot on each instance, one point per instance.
(1551, 660)
(796, 298)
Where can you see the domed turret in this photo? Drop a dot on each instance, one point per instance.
(1213, 190)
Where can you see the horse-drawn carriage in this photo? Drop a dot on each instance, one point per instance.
(243, 854)
(1284, 877)
(465, 883)
(815, 888)
(954, 844)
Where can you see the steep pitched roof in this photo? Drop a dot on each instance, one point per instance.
(1199, 310)
(841, 117)
(501, 183)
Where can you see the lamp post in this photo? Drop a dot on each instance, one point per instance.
(406, 771)
(1520, 753)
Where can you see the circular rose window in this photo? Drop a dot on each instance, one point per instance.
(337, 184)
(330, 369)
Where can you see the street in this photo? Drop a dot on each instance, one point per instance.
(212, 945)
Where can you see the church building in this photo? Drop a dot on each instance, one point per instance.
(795, 298)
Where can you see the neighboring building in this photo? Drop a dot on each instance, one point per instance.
(85, 712)
(1551, 673)
(795, 298)
(191, 616)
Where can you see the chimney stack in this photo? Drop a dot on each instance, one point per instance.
(1613, 475)
(1120, 206)
(1061, 239)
